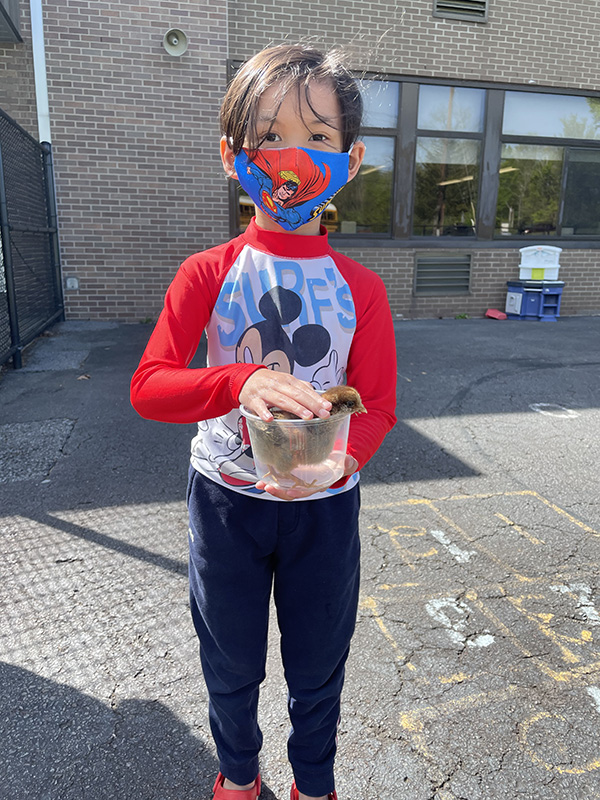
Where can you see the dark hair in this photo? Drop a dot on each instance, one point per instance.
(291, 67)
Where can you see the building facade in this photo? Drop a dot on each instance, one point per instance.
(482, 128)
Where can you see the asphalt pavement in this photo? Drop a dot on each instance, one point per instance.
(475, 669)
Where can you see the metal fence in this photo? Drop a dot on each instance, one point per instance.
(30, 286)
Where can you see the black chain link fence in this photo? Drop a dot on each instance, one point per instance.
(30, 287)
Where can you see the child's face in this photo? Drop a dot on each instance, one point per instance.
(296, 123)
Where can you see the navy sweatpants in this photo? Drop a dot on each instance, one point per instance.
(241, 548)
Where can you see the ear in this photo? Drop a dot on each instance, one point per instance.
(228, 158)
(356, 158)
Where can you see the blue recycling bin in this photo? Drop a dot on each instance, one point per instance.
(537, 300)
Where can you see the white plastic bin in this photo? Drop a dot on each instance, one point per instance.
(539, 262)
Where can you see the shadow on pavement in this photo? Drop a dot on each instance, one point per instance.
(61, 744)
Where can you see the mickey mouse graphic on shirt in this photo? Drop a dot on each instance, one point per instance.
(266, 342)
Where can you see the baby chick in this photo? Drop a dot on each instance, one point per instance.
(284, 447)
(343, 399)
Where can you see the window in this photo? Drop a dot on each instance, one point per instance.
(9, 21)
(447, 177)
(364, 206)
(529, 190)
(424, 165)
(450, 108)
(549, 186)
(581, 215)
(446, 163)
(555, 115)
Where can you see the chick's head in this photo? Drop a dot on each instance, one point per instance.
(344, 400)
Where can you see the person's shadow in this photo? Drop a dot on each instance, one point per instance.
(60, 744)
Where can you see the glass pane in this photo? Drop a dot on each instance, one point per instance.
(447, 180)
(536, 114)
(380, 99)
(365, 204)
(451, 108)
(581, 216)
(529, 190)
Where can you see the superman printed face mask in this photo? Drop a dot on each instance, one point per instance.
(292, 185)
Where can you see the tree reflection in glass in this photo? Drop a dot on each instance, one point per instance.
(365, 204)
(529, 190)
(447, 181)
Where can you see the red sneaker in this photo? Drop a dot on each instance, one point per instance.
(220, 793)
(295, 796)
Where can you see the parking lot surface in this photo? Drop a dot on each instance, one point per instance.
(475, 668)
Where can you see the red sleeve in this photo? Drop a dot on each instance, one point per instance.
(372, 360)
(162, 387)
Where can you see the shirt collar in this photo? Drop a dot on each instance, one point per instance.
(287, 244)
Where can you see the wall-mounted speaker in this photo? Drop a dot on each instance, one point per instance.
(175, 42)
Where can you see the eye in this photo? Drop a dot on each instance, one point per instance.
(318, 137)
(271, 137)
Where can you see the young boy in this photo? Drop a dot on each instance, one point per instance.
(285, 316)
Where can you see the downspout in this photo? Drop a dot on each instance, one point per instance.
(43, 116)
(39, 69)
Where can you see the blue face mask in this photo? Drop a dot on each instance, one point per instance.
(292, 185)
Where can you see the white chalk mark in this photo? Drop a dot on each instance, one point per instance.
(594, 693)
(484, 640)
(554, 410)
(582, 593)
(462, 556)
(439, 608)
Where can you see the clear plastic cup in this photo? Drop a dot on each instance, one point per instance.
(299, 453)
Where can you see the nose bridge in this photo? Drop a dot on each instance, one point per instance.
(295, 134)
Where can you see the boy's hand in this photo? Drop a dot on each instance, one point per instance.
(265, 388)
(350, 467)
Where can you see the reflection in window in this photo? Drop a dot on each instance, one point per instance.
(581, 216)
(451, 108)
(529, 191)
(380, 100)
(447, 179)
(245, 208)
(365, 204)
(556, 115)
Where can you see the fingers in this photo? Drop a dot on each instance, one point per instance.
(266, 388)
(350, 465)
(286, 494)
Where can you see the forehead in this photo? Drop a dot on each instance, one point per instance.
(318, 99)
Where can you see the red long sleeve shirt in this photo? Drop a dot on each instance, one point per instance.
(278, 300)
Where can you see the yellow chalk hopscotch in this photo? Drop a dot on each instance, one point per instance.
(505, 537)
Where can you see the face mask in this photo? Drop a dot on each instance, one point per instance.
(292, 185)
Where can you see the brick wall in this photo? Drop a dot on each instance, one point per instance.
(17, 86)
(135, 138)
(490, 270)
(523, 40)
